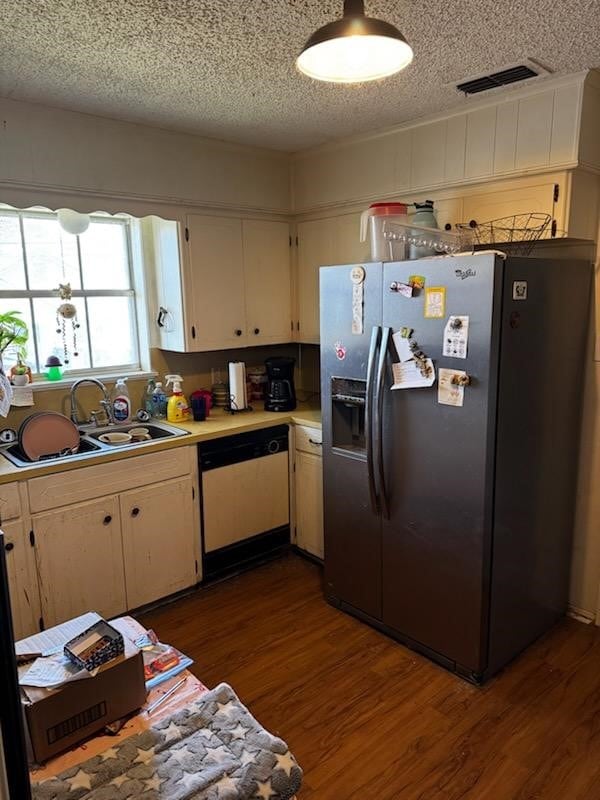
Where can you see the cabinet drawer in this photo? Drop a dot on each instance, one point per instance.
(10, 502)
(87, 483)
(309, 439)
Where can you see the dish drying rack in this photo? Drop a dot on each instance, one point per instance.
(521, 231)
(448, 242)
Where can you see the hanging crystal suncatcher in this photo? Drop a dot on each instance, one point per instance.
(66, 312)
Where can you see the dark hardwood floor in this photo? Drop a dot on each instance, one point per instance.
(367, 718)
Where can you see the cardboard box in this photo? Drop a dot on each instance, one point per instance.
(57, 719)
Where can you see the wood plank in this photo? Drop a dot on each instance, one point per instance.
(368, 718)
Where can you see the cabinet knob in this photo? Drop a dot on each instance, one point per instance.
(448, 226)
(238, 332)
(9, 546)
(135, 512)
(256, 331)
(107, 519)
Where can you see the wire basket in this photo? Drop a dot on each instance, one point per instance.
(521, 231)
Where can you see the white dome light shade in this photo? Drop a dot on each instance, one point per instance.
(354, 59)
(354, 49)
(72, 221)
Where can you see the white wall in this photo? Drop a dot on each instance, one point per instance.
(52, 150)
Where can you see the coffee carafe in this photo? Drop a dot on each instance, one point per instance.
(280, 395)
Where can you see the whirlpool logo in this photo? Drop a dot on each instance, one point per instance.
(465, 273)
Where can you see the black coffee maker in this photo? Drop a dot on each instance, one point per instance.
(280, 395)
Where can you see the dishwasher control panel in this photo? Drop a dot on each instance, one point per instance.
(242, 447)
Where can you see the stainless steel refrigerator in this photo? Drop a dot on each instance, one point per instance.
(449, 527)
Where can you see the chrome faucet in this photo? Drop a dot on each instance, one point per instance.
(105, 402)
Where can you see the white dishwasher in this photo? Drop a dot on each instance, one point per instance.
(245, 508)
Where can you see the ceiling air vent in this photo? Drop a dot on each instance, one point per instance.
(504, 77)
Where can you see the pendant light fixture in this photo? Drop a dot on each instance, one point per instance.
(354, 49)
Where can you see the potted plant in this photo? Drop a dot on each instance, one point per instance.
(13, 338)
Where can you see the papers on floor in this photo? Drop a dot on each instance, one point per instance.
(52, 668)
(50, 672)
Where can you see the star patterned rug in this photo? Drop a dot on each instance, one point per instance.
(213, 750)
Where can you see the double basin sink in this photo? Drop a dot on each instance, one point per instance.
(90, 444)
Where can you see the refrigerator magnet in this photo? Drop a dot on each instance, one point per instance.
(357, 276)
(340, 351)
(435, 302)
(417, 282)
(456, 337)
(451, 389)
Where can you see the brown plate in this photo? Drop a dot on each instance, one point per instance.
(47, 434)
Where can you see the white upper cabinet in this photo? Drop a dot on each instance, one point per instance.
(456, 135)
(228, 284)
(505, 144)
(316, 248)
(534, 132)
(481, 134)
(266, 247)
(525, 130)
(217, 275)
(428, 155)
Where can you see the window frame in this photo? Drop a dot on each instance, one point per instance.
(132, 293)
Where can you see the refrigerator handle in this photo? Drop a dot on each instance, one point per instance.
(375, 334)
(378, 435)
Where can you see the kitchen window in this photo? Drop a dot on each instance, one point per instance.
(36, 255)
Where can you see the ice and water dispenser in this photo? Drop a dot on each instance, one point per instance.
(348, 400)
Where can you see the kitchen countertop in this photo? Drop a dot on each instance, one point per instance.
(219, 423)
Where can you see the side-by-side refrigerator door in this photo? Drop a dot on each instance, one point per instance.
(350, 336)
(437, 459)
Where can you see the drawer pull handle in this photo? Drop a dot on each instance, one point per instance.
(107, 519)
(135, 512)
(238, 332)
(9, 546)
(256, 331)
(318, 444)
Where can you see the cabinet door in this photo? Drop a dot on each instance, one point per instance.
(316, 248)
(22, 579)
(492, 205)
(267, 280)
(217, 271)
(80, 560)
(309, 503)
(159, 540)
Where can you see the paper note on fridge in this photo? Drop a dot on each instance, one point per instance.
(407, 375)
(449, 394)
(402, 345)
(456, 337)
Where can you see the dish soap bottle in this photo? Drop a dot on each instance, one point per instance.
(147, 402)
(159, 402)
(120, 401)
(177, 405)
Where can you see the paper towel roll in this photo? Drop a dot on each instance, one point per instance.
(237, 385)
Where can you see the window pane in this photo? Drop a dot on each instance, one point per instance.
(51, 254)
(24, 307)
(50, 343)
(12, 272)
(112, 331)
(104, 256)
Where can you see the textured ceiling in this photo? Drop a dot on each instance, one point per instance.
(225, 68)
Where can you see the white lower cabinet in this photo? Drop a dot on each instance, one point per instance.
(309, 490)
(22, 578)
(113, 552)
(158, 543)
(79, 557)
